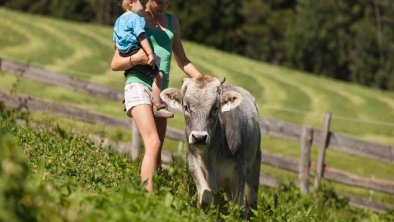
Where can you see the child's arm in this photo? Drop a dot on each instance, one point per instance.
(148, 50)
(120, 63)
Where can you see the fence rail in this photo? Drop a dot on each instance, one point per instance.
(348, 144)
(60, 80)
(307, 136)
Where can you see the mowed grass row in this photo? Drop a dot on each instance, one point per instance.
(84, 51)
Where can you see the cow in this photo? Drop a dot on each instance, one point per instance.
(223, 135)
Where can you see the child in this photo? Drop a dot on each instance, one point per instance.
(129, 37)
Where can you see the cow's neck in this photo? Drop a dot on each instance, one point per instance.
(217, 149)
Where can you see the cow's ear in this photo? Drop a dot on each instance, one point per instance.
(230, 100)
(173, 98)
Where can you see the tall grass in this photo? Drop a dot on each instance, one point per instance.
(55, 175)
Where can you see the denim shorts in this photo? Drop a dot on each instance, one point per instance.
(136, 94)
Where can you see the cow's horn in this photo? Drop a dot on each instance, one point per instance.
(221, 82)
(219, 88)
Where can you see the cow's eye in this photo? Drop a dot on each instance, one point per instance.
(215, 110)
(186, 108)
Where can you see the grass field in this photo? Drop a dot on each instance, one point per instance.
(84, 51)
(54, 175)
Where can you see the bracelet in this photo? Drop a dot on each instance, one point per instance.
(131, 63)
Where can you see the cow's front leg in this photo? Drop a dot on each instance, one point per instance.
(205, 195)
(252, 181)
(236, 186)
(237, 190)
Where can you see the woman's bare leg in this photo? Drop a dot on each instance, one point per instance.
(161, 125)
(145, 122)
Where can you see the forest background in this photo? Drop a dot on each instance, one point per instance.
(347, 40)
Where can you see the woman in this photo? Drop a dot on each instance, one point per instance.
(163, 31)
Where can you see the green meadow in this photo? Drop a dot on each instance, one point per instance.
(54, 175)
(84, 51)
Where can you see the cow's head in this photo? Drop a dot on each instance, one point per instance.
(201, 101)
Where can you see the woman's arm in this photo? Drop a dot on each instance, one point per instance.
(120, 63)
(179, 53)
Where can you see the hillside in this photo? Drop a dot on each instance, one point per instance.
(84, 51)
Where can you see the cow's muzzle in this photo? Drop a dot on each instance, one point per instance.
(198, 137)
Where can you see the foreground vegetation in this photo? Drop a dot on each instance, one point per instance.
(55, 175)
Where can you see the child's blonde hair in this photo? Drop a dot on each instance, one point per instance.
(125, 4)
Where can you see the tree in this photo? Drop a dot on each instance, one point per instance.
(79, 10)
(371, 54)
(215, 22)
(348, 40)
(264, 29)
(316, 41)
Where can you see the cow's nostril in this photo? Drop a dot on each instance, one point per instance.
(198, 138)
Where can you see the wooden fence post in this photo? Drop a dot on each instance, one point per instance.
(306, 143)
(135, 141)
(322, 149)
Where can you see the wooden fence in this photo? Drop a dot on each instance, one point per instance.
(307, 136)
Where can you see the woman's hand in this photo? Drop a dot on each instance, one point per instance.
(120, 63)
(151, 59)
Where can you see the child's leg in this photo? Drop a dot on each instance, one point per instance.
(158, 107)
(156, 89)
